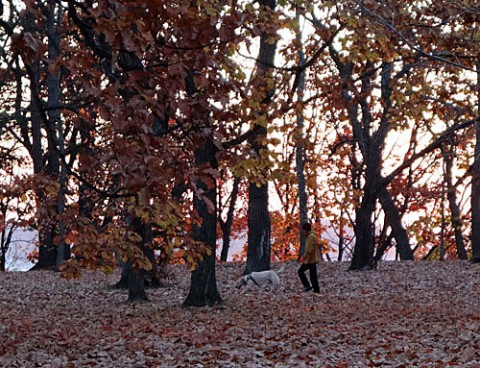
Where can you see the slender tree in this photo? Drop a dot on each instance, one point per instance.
(226, 225)
(299, 138)
(475, 198)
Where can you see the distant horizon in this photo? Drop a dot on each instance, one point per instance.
(24, 241)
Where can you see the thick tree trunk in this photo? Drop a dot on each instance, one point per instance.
(124, 277)
(203, 287)
(136, 286)
(151, 277)
(136, 276)
(259, 225)
(364, 232)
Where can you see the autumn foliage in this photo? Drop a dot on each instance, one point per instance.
(359, 319)
(129, 123)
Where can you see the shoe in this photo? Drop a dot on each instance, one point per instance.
(308, 288)
(316, 291)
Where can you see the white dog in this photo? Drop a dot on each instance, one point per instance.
(260, 279)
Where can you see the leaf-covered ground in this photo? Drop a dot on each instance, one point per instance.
(405, 314)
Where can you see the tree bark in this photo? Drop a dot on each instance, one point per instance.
(55, 124)
(453, 205)
(363, 253)
(259, 228)
(393, 218)
(475, 198)
(300, 145)
(47, 252)
(150, 278)
(136, 286)
(259, 225)
(203, 287)
(226, 225)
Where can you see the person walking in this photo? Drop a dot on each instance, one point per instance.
(309, 261)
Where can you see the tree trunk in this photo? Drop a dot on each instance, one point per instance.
(475, 198)
(203, 287)
(136, 276)
(227, 224)
(47, 252)
(259, 225)
(453, 205)
(55, 124)
(136, 286)
(384, 243)
(124, 277)
(6, 240)
(364, 232)
(150, 278)
(300, 144)
(394, 220)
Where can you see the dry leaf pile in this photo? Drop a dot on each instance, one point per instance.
(404, 314)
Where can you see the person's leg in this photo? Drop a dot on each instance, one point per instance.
(303, 277)
(314, 277)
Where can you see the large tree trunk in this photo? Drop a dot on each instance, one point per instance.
(364, 232)
(134, 276)
(136, 286)
(151, 278)
(203, 287)
(259, 225)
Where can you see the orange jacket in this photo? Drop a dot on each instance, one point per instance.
(313, 252)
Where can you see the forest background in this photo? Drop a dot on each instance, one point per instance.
(138, 133)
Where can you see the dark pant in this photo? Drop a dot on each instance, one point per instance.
(312, 268)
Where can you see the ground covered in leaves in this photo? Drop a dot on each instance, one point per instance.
(404, 314)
